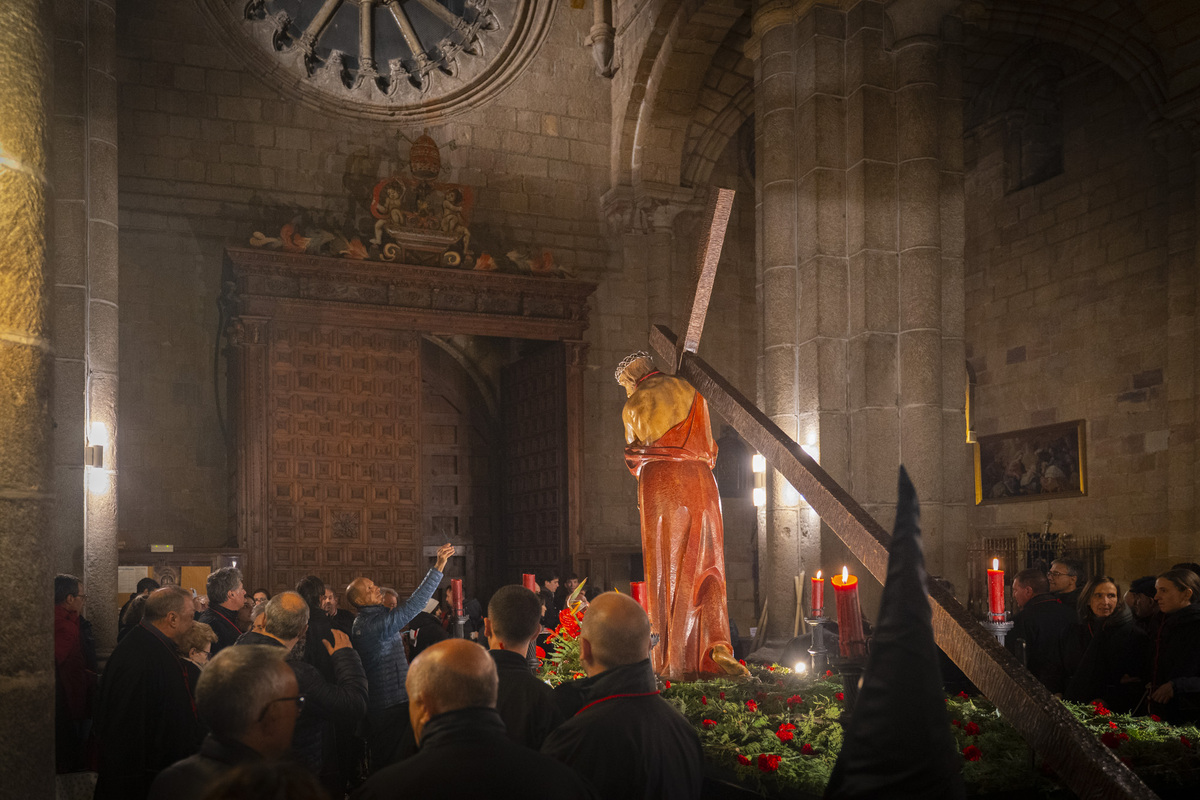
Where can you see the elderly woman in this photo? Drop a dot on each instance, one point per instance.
(1175, 684)
(1111, 650)
(195, 648)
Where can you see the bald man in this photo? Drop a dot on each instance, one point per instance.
(625, 740)
(376, 636)
(465, 750)
(344, 700)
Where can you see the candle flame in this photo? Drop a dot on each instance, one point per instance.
(995, 563)
(845, 574)
(818, 574)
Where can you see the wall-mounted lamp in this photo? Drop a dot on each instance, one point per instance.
(759, 464)
(93, 456)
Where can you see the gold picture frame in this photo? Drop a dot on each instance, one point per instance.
(1044, 463)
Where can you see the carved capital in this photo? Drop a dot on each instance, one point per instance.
(577, 353)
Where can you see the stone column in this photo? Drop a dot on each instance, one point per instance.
(26, 483)
(83, 250)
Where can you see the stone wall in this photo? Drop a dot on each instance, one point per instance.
(210, 153)
(1067, 317)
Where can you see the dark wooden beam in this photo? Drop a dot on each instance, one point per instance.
(708, 256)
(1082, 762)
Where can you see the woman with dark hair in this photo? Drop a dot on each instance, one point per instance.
(1175, 682)
(320, 628)
(1111, 650)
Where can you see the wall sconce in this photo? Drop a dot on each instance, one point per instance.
(95, 476)
(759, 464)
(93, 456)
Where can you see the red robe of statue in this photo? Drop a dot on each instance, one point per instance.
(683, 545)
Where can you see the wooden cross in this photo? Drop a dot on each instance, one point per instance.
(1085, 765)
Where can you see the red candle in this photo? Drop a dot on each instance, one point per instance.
(637, 590)
(849, 615)
(456, 593)
(996, 591)
(529, 581)
(818, 595)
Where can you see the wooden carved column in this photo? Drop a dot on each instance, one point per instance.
(576, 363)
(247, 356)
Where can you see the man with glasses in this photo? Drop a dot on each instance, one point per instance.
(249, 698)
(1040, 628)
(344, 700)
(226, 597)
(74, 673)
(1066, 581)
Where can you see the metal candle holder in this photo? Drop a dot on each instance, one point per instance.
(818, 655)
(998, 629)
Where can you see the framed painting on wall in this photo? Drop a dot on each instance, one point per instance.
(1032, 464)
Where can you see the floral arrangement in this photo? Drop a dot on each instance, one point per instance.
(778, 733)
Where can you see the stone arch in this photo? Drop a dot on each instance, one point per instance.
(674, 86)
(725, 102)
(1123, 40)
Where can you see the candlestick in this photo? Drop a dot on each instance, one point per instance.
(637, 590)
(529, 581)
(457, 595)
(818, 595)
(851, 640)
(995, 577)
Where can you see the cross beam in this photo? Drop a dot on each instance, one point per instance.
(708, 256)
(1085, 765)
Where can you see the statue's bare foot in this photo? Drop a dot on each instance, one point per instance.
(722, 656)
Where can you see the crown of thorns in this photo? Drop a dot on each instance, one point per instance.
(627, 360)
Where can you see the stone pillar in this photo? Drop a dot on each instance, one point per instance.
(26, 482)
(83, 251)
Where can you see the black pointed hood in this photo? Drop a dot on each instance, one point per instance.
(898, 743)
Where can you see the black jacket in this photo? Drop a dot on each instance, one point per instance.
(191, 778)
(342, 702)
(145, 717)
(1105, 651)
(1177, 659)
(1045, 625)
(224, 625)
(467, 754)
(627, 741)
(525, 703)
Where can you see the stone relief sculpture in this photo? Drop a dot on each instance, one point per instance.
(670, 449)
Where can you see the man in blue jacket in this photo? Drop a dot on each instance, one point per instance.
(376, 637)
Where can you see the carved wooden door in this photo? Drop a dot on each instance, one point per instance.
(536, 497)
(343, 455)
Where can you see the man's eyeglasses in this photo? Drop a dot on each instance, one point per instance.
(298, 699)
(206, 653)
(1054, 574)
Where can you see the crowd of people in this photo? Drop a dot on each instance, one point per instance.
(289, 696)
(1136, 651)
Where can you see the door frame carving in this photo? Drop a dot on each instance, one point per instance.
(269, 286)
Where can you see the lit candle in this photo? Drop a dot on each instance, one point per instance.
(996, 591)
(456, 593)
(849, 615)
(529, 581)
(637, 590)
(818, 595)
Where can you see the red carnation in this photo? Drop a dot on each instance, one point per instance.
(807, 749)
(828, 673)
(753, 706)
(956, 723)
(795, 700)
(742, 661)
(722, 695)
(1156, 717)
(743, 760)
(972, 753)
(668, 684)
(771, 668)
(539, 652)
(709, 723)
(1112, 724)
(964, 695)
(1186, 742)
(769, 763)
(785, 736)
(840, 696)
(703, 700)
(972, 729)
(1111, 739)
